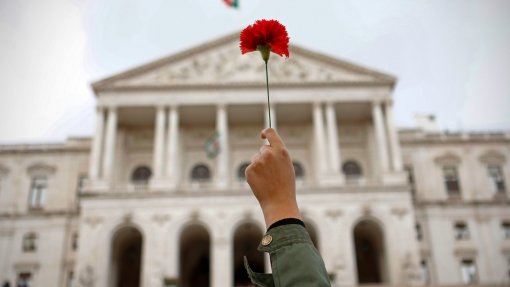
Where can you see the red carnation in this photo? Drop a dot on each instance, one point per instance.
(265, 36)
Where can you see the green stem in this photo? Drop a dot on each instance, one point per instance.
(268, 104)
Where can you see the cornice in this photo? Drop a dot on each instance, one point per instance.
(38, 214)
(108, 83)
(247, 86)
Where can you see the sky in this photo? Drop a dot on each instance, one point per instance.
(451, 57)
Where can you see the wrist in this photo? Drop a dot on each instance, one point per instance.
(278, 212)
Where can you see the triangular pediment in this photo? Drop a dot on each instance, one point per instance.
(220, 64)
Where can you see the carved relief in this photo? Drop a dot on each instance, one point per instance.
(86, 277)
(493, 157)
(400, 212)
(334, 213)
(92, 221)
(226, 65)
(161, 219)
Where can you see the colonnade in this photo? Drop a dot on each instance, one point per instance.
(166, 143)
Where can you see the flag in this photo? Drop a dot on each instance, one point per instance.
(232, 3)
(212, 145)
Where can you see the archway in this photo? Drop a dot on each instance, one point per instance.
(126, 258)
(194, 257)
(369, 246)
(246, 240)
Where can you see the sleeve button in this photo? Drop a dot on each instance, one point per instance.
(266, 240)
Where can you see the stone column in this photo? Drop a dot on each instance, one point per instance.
(273, 116)
(380, 137)
(159, 142)
(172, 152)
(221, 262)
(333, 144)
(223, 157)
(396, 156)
(109, 151)
(97, 145)
(318, 123)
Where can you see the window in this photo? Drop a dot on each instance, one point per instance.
(74, 241)
(29, 242)
(451, 180)
(38, 190)
(351, 170)
(140, 178)
(425, 273)
(410, 178)
(461, 231)
(82, 178)
(419, 232)
(496, 179)
(505, 229)
(200, 173)
(298, 170)
(240, 171)
(468, 271)
(24, 279)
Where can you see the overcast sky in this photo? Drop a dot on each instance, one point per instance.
(452, 58)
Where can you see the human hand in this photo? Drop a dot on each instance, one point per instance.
(271, 179)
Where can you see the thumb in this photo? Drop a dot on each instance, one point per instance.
(272, 136)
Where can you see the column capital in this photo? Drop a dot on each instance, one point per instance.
(160, 107)
(112, 108)
(317, 103)
(377, 102)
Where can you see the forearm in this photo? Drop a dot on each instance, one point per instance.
(294, 260)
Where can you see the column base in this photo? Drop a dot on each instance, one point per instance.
(99, 185)
(394, 178)
(161, 184)
(328, 180)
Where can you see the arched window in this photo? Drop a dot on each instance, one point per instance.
(246, 240)
(141, 175)
(126, 257)
(241, 170)
(29, 242)
(298, 170)
(370, 255)
(352, 169)
(194, 257)
(200, 172)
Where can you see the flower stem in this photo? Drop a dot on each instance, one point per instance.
(268, 104)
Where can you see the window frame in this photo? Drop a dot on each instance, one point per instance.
(29, 242)
(497, 183)
(505, 229)
(194, 179)
(39, 186)
(353, 176)
(449, 179)
(473, 276)
(461, 234)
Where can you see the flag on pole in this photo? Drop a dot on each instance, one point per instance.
(232, 3)
(212, 145)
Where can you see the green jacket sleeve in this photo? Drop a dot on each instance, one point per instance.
(294, 260)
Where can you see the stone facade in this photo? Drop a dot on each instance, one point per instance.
(388, 207)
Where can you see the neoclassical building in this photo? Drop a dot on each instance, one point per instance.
(157, 197)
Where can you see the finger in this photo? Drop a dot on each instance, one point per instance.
(264, 148)
(254, 157)
(272, 136)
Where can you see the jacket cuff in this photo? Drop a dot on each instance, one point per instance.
(260, 279)
(286, 221)
(282, 236)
